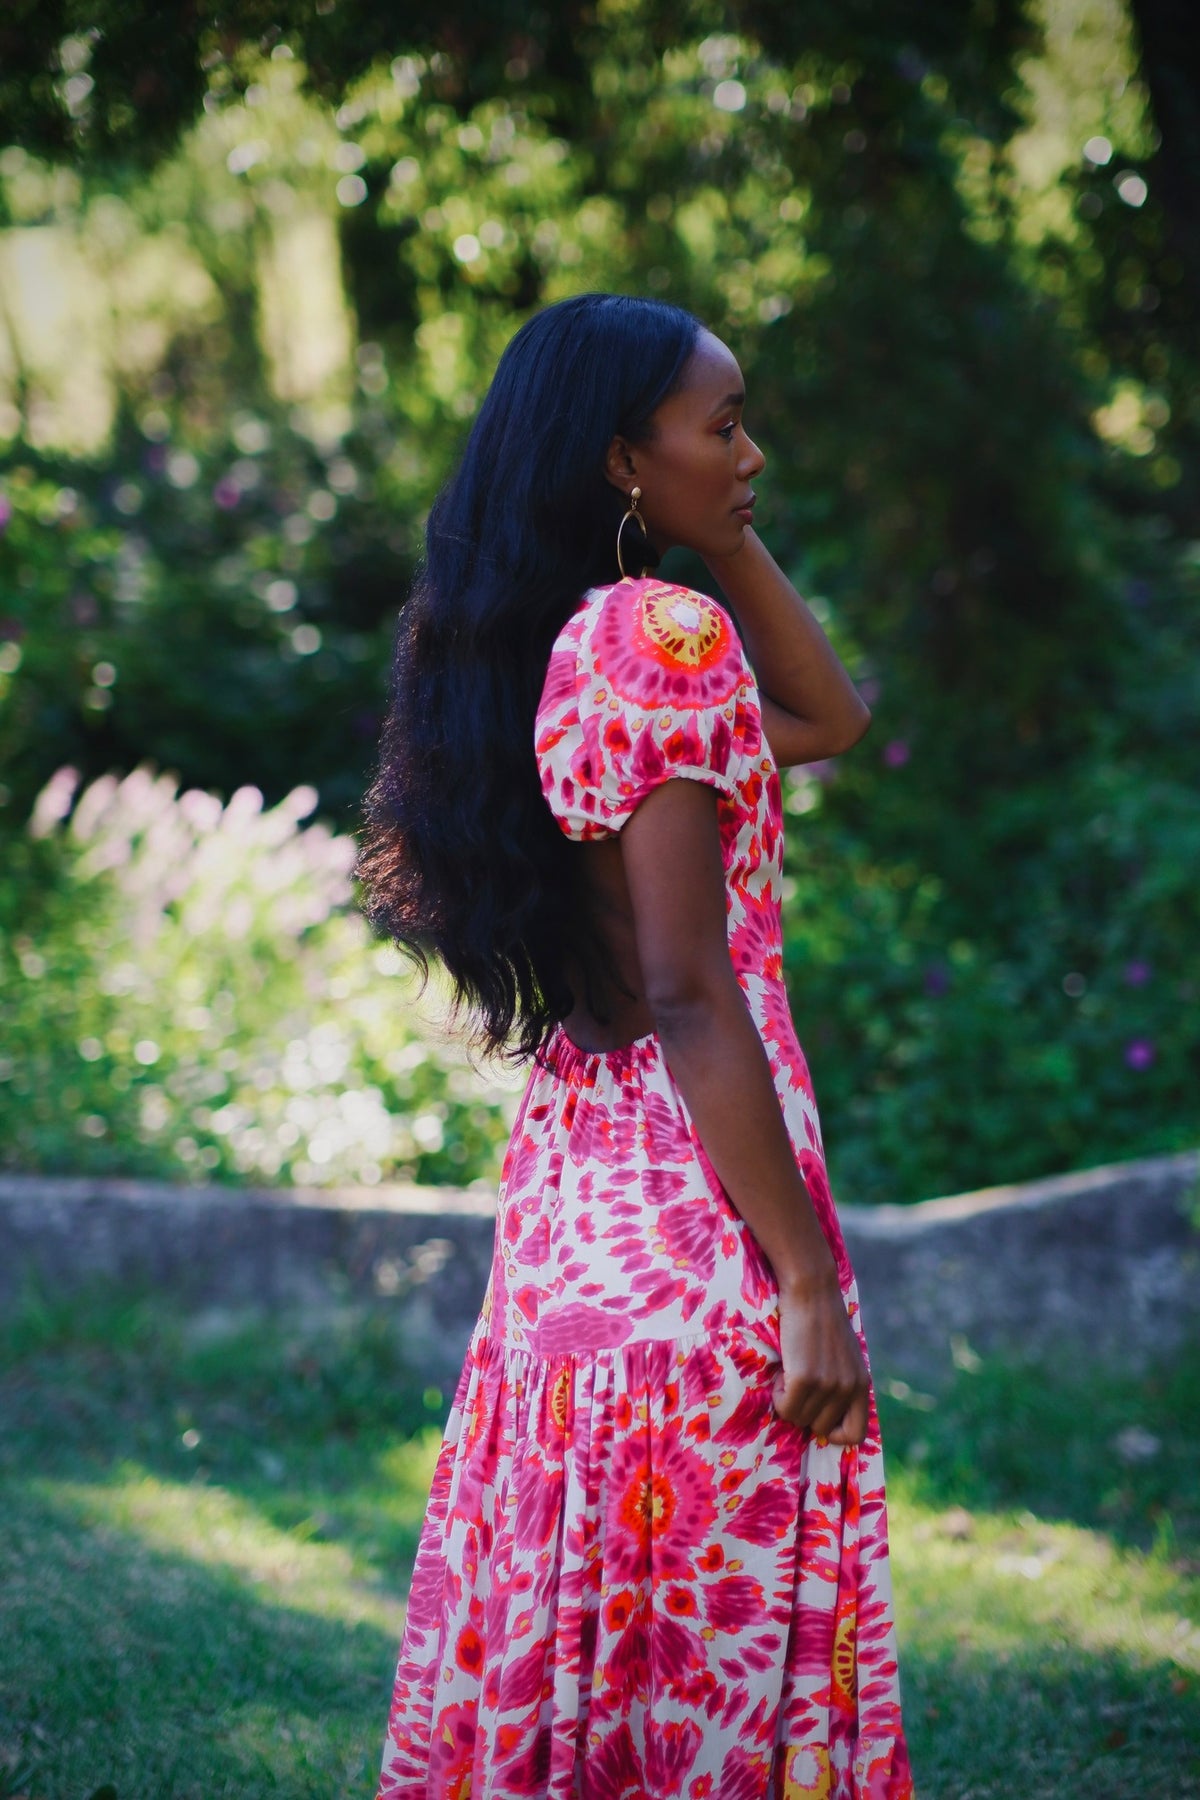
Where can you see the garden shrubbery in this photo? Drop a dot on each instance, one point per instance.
(186, 991)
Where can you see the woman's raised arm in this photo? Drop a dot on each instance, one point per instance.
(810, 707)
(672, 858)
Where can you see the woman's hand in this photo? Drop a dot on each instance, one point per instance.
(823, 1386)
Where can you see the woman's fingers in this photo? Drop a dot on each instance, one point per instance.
(853, 1428)
(823, 1386)
(820, 1407)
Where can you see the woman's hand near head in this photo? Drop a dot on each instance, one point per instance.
(671, 852)
(811, 709)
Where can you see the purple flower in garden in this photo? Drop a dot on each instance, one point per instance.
(227, 493)
(937, 979)
(896, 754)
(155, 459)
(5, 511)
(1137, 973)
(1139, 1053)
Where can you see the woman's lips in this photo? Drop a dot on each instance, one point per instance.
(745, 513)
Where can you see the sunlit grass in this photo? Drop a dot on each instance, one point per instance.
(215, 1529)
(208, 1540)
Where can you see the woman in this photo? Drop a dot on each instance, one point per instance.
(655, 1557)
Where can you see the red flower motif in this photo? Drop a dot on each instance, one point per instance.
(662, 1505)
(681, 1603)
(662, 645)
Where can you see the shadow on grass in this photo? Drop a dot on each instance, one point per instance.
(170, 1680)
(1051, 1723)
(315, 1421)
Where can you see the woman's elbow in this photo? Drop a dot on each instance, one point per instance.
(688, 1001)
(838, 732)
(857, 725)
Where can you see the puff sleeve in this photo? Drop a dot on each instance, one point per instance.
(646, 684)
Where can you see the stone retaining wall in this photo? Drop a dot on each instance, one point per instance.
(1104, 1263)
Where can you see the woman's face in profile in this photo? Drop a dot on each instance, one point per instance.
(695, 471)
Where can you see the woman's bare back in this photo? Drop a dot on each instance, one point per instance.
(626, 1015)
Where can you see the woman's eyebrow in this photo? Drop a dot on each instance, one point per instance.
(727, 402)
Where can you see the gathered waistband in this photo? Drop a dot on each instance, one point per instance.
(561, 1056)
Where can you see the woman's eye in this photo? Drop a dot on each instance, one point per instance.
(727, 431)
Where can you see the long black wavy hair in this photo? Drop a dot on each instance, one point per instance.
(460, 857)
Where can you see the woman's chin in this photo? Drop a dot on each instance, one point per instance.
(734, 539)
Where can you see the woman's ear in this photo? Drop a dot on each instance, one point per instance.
(619, 466)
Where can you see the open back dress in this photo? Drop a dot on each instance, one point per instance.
(634, 1579)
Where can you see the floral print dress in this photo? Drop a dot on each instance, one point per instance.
(633, 1578)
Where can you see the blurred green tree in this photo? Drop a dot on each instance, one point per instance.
(954, 253)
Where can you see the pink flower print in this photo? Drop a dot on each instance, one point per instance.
(817, 1182)
(661, 1185)
(535, 1251)
(779, 1034)
(663, 1536)
(468, 1650)
(592, 1138)
(745, 1423)
(656, 1290)
(522, 1164)
(689, 1235)
(744, 1776)
(612, 1771)
(671, 1751)
(756, 939)
(627, 1666)
(812, 1640)
(662, 1505)
(525, 1680)
(616, 738)
(701, 1376)
(583, 766)
(735, 1602)
(670, 646)
(678, 1652)
(560, 679)
(766, 1516)
(452, 1749)
(576, 1327)
(647, 766)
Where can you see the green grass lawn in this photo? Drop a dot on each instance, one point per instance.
(205, 1540)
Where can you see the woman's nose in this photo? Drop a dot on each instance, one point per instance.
(753, 461)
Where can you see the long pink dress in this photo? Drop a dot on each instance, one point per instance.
(634, 1579)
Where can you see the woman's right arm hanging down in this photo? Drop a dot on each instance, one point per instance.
(672, 857)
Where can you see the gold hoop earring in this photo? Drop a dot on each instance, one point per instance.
(633, 513)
